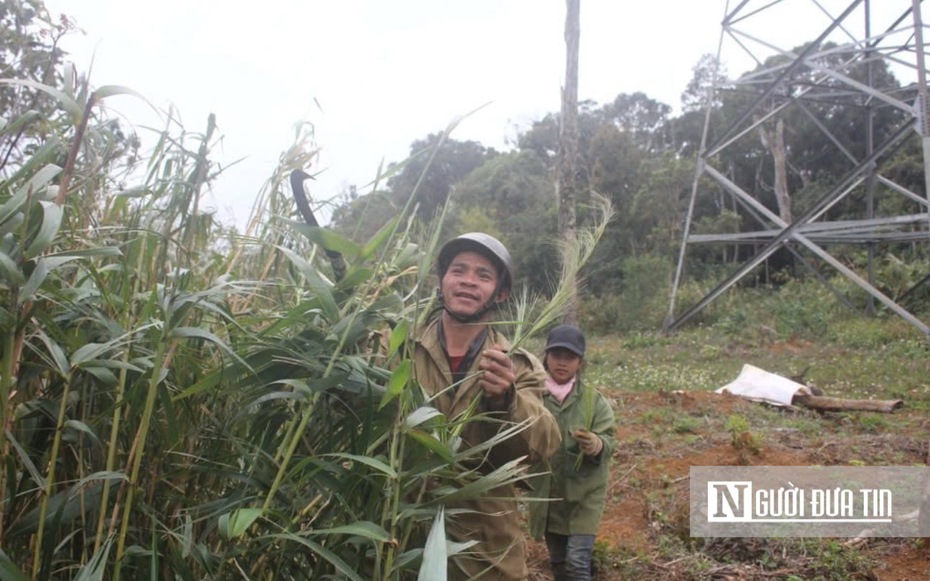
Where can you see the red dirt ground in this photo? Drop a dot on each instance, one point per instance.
(645, 464)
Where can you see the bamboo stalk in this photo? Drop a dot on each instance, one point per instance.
(162, 360)
(50, 478)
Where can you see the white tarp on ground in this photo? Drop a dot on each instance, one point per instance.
(760, 385)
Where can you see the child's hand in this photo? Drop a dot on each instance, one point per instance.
(589, 442)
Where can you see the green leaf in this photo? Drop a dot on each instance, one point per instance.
(324, 553)
(79, 426)
(89, 352)
(111, 90)
(233, 524)
(10, 271)
(27, 462)
(327, 239)
(52, 214)
(379, 239)
(397, 382)
(354, 277)
(13, 205)
(102, 475)
(47, 153)
(322, 290)
(9, 571)
(115, 364)
(364, 529)
(368, 461)
(398, 336)
(435, 559)
(100, 251)
(9, 226)
(56, 352)
(95, 568)
(32, 285)
(421, 415)
(20, 122)
(198, 333)
(67, 103)
(431, 443)
(39, 180)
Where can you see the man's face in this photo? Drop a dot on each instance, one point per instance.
(469, 283)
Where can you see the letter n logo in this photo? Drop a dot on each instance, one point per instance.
(729, 501)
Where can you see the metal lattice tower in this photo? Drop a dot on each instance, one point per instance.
(843, 35)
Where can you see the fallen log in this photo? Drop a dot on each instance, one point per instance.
(835, 404)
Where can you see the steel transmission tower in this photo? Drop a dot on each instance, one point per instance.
(831, 68)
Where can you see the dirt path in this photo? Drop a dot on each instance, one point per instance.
(644, 532)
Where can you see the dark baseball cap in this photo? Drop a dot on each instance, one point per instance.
(567, 337)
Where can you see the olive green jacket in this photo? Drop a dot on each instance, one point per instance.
(494, 522)
(579, 482)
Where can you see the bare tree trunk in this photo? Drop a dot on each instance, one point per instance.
(776, 146)
(834, 404)
(568, 140)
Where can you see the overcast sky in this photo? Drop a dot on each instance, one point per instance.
(372, 76)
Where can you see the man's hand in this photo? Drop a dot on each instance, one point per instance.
(589, 442)
(497, 378)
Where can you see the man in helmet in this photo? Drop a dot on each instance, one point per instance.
(460, 358)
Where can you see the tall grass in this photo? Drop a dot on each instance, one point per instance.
(181, 401)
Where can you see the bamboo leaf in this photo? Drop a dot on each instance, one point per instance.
(48, 230)
(198, 333)
(233, 524)
(364, 529)
(326, 238)
(398, 336)
(20, 122)
(10, 271)
(368, 461)
(435, 558)
(102, 475)
(324, 553)
(83, 428)
(379, 239)
(95, 568)
(508, 473)
(48, 152)
(39, 180)
(89, 352)
(431, 443)
(12, 206)
(397, 382)
(421, 415)
(111, 90)
(98, 252)
(56, 352)
(67, 103)
(27, 461)
(116, 364)
(322, 291)
(34, 282)
(354, 277)
(9, 226)
(9, 571)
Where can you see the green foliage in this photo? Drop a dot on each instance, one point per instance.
(511, 196)
(640, 305)
(436, 164)
(177, 399)
(745, 442)
(180, 399)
